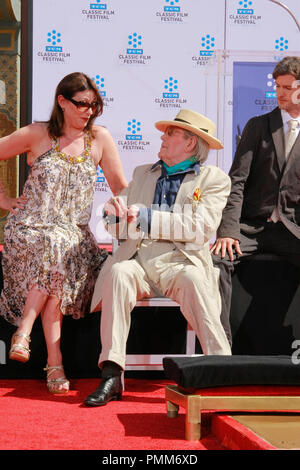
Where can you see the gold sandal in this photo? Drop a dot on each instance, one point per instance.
(19, 352)
(61, 384)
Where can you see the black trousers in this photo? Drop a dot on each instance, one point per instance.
(274, 239)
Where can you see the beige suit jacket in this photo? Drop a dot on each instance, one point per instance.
(196, 216)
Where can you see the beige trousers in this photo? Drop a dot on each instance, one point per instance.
(159, 269)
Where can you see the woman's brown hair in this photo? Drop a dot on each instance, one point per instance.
(68, 86)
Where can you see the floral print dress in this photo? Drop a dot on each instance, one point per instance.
(48, 244)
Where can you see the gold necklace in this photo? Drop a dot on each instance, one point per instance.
(77, 159)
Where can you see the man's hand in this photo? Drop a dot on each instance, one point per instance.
(133, 212)
(115, 206)
(11, 204)
(226, 244)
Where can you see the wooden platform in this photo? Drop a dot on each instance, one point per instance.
(246, 398)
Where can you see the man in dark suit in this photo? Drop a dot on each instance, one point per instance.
(263, 210)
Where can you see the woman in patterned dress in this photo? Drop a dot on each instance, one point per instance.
(50, 257)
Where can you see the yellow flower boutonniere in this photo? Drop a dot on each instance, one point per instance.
(197, 194)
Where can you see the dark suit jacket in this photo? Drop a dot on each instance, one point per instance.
(261, 179)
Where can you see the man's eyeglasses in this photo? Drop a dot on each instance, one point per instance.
(83, 105)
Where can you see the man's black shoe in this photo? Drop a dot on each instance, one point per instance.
(109, 389)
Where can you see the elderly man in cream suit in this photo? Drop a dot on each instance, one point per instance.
(164, 220)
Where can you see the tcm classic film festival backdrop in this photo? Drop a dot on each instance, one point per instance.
(149, 58)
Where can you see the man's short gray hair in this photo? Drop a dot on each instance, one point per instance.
(201, 148)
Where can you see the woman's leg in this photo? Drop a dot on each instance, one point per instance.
(34, 304)
(52, 322)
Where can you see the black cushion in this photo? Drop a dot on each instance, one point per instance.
(220, 371)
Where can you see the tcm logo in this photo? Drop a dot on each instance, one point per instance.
(281, 44)
(245, 7)
(100, 175)
(54, 41)
(100, 83)
(271, 93)
(172, 5)
(134, 129)
(98, 5)
(134, 44)
(208, 45)
(171, 87)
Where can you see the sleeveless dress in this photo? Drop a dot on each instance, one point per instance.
(49, 244)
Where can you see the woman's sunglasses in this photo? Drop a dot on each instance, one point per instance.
(83, 105)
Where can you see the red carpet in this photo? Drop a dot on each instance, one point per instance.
(32, 419)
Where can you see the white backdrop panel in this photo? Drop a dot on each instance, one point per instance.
(262, 25)
(150, 58)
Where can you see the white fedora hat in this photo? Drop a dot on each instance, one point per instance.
(193, 122)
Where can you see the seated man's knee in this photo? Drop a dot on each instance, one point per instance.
(122, 270)
(190, 277)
